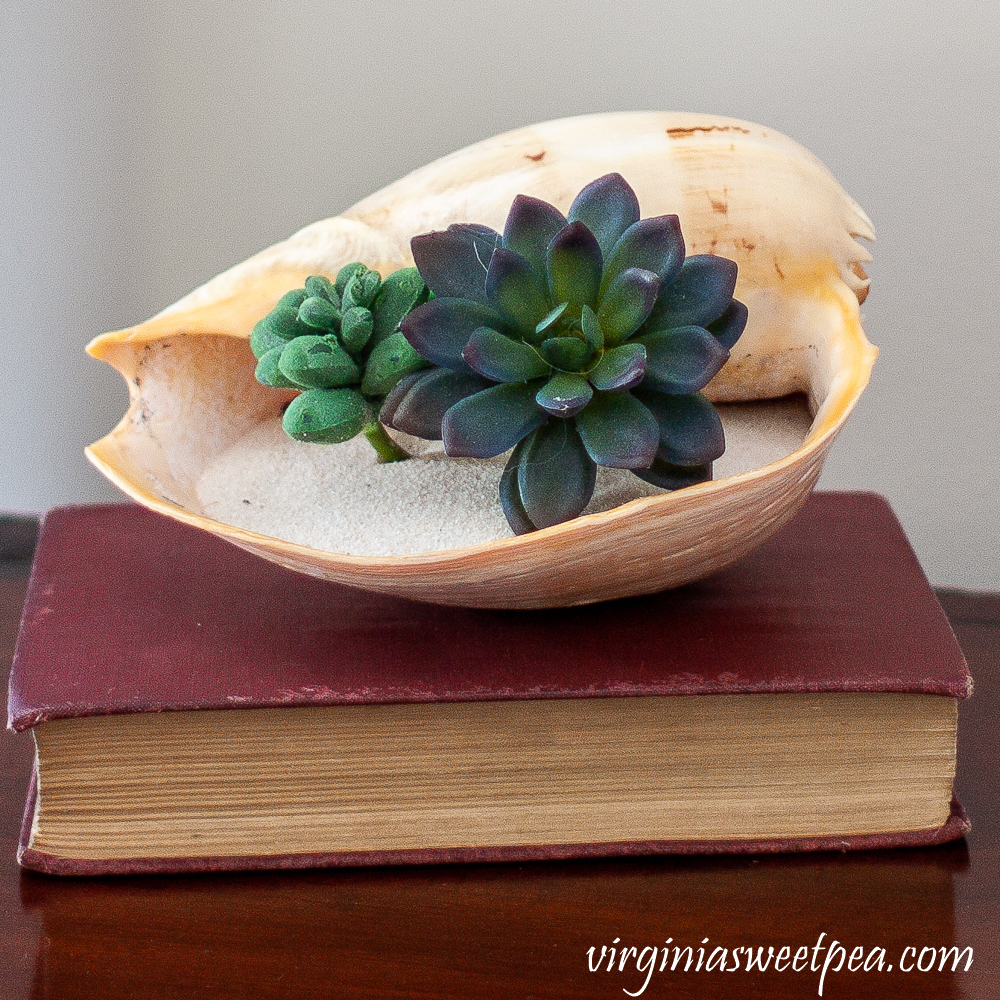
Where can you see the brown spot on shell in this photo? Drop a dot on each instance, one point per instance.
(719, 205)
(859, 272)
(537, 158)
(781, 274)
(747, 245)
(686, 133)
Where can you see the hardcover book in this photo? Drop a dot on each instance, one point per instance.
(196, 708)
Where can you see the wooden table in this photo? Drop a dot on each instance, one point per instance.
(523, 930)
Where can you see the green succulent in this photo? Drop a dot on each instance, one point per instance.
(339, 342)
(576, 341)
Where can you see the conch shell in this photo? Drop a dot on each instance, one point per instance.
(741, 190)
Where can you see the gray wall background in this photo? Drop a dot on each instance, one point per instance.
(144, 148)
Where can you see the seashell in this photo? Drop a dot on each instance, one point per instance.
(741, 190)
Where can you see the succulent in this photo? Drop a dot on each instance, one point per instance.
(576, 341)
(339, 342)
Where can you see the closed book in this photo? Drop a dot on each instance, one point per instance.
(196, 708)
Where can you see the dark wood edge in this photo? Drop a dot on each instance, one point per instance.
(981, 606)
(18, 534)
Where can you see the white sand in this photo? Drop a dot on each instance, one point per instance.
(337, 498)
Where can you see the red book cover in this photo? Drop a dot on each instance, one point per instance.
(128, 611)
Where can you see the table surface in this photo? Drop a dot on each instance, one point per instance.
(520, 930)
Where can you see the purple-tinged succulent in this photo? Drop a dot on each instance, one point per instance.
(578, 341)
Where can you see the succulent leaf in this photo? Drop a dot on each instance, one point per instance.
(699, 294)
(619, 368)
(402, 291)
(320, 286)
(345, 274)
(292, 299)
(283, 322)
(502, 359)
(626, 303)
(511, 286)
(549, 318)
(268, 373)
(574, 264)
(325, 416)
(618, 431)
(653, 244)
(318, 363)
(607, 207)
(531, 224)
(389, 361)
(417, 403)
(592, 328)
(510, 495)
(564, 395)
(570, 354)
(440, 329)
(729, 327)
(682, 360)
(555, 475)
(491, 237)
(356, 328)
(319, 313)
(690, 429)
(361, 289)
(491, 421)
(263, 340)
(453, 263)
(674, 477)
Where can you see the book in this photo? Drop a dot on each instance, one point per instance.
(197, 708)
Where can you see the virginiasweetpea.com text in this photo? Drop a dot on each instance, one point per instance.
(826, 956)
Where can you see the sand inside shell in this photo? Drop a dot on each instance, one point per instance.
(337, 498)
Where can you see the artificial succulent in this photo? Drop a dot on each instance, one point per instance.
(339, 342)
(577, 341)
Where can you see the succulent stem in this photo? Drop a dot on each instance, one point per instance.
(386, 448)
